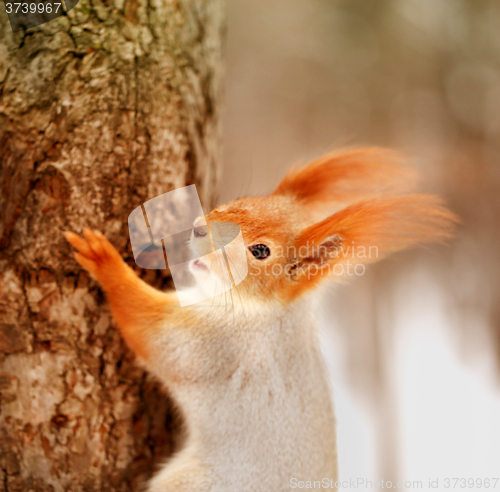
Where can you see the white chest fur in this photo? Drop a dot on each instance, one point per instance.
(256, 402)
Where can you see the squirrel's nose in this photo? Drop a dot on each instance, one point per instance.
(200, 227)
(199, 232)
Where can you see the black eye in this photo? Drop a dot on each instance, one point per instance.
(260, 251)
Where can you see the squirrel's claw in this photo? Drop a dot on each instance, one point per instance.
(79, 244)
(94, 252)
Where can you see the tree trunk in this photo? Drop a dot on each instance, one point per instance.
(100, 110)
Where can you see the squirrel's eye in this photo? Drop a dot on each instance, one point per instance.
(260, 251)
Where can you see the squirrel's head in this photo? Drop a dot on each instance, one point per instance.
(323, 220)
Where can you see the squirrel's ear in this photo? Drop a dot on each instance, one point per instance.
(369, 231)
(346, 176)
(313, 255)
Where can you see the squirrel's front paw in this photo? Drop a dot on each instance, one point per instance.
(97, 255)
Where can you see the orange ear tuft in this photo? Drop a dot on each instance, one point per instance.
(387, 224)
(366, 232)
(346, 176)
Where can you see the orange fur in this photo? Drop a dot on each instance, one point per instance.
(346, 175)
(137, 307)
(385, 225)
(261, 216)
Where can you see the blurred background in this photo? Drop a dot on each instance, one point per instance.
(413, 345)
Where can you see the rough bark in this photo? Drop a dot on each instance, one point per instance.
(100, 110)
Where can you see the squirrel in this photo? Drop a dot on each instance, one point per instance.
(247, 371)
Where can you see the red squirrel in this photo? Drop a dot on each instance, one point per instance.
(247, 371)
